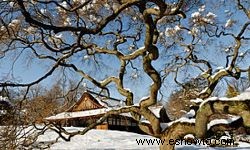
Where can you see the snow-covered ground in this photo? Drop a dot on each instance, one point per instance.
(109, 140)
(98, 139)
(118, 140)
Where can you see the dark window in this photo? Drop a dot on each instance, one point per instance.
(110, 121)
(134, 124)
(118, 121)
(113, 121)
(123, 122)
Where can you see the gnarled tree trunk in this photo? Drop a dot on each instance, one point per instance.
(175, 133)
(234, 107)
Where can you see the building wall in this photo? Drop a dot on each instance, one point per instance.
(114, 122)
(87, 102)
(86, 105)
(103, 126)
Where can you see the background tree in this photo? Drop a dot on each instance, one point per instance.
(231, 91)
(44, 102)
(235, 87)
(179, 102)
(107, 43)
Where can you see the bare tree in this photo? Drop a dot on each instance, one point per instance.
(179, 102)
(110, 42)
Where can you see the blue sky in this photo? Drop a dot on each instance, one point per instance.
(26, 72)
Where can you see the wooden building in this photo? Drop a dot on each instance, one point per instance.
(89, 109)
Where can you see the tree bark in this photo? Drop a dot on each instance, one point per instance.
(234, 107)
(174, 133)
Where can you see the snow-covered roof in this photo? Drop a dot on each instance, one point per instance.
(110, 103)
(68, 115)
(80, 114)
(95, 112)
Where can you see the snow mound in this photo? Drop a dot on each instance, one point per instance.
(222, 121)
